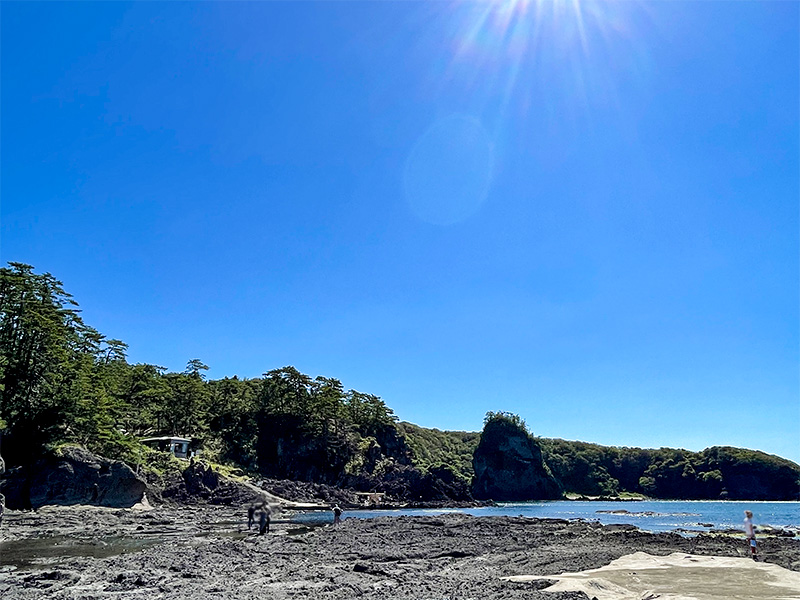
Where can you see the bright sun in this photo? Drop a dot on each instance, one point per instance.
(587, 41)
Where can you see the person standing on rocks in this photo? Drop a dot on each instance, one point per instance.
(2, 498)
(263, 521)
(261, 511)
(251, 515)
(337, 515)
(750, 532)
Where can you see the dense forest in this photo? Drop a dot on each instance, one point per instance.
(61, 381)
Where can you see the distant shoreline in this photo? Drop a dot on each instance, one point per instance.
(685, 518)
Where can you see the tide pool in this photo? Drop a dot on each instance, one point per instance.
(649, 515)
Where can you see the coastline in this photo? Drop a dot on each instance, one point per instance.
(203, 552)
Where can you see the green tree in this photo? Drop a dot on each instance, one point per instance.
(45, 353)
(286, 391)
(144, 390)
(232, 418)
(514, 420)
(368, 412)
(185, 410)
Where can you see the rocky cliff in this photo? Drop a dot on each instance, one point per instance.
(73, 476)
(509, 466)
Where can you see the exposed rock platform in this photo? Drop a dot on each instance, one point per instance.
(194, 553)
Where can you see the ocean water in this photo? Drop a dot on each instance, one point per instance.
(649, 515)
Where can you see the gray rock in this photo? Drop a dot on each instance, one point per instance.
(76, 476)
(509, 466)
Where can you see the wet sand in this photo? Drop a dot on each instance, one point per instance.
(207, 552)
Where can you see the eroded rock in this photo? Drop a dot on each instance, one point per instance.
(74, 476)
(509, 466)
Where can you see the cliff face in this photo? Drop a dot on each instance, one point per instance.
(75, 477)
(509, 466)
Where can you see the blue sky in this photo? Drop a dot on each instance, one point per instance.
(585, 213)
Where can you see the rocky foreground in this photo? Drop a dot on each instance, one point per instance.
(207, 552)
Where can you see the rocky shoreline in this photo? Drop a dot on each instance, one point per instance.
(74, 476)
(199, 552)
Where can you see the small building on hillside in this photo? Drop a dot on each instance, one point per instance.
(177, 446)
(370, 498)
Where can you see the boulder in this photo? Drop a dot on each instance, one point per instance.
(509, 466)
(73, 476)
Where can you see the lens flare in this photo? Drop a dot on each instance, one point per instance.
(578, 46)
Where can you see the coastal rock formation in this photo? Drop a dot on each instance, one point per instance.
(74, 476)
(307, 492)
(509, 466)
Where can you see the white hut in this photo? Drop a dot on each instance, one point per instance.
(177, 446)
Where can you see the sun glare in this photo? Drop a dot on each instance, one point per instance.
(511, 41)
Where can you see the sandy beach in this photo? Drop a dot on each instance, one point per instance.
(193, 553)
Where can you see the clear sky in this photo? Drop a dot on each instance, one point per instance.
(582, 212)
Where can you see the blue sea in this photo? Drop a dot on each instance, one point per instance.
(649, 515)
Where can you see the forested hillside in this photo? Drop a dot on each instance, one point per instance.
(431, 447)
(595, 470)
(61, 381)
(714, 473)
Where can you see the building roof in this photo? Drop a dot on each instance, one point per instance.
(166, 439)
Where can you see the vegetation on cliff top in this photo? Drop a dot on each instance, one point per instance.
(63, 381)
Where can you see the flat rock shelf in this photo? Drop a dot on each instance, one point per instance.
(67, 553)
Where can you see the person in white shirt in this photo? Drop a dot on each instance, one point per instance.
(750, 532)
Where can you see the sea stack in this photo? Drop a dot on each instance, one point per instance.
(508, 464)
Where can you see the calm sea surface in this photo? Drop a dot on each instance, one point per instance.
(647, 515)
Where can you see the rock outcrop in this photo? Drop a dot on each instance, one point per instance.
(73, 476)
(411, 485)
(509, 466)
(199, 483)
